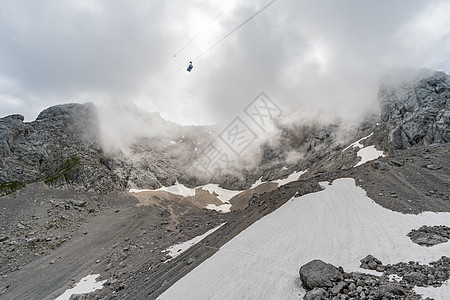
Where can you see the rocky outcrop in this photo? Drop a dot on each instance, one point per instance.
(430, 235)
(322, 281)
(63, 147)
(416, 111)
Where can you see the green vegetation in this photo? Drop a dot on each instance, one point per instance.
(10, 187)
(63, 172)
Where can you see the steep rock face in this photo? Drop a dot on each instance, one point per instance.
(64, 147)
(61, 146)
(416, 112)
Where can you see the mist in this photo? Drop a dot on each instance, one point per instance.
(320, 60)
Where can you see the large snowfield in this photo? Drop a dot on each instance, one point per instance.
(339, 225)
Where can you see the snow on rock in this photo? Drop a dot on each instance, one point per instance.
(86, 285)
(293, 177)
(224, 195)
(257, 182)
(437, 293)
(367, 154)
(224, 208)
(339, 225)
(177, 189)
(357, 143)
(177, 249)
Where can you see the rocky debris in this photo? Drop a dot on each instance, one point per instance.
(371, 263)
(318, 274)
(322, 282)
(422, 275)
(416, 111)
(382, 166)
(430, 235)
(308, 187)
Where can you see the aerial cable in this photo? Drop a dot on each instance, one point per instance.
(204, 28)
(236, 29)
(195, 37)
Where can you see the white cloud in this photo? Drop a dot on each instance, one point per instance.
(322, 57)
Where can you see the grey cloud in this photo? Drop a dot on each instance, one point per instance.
(316, 58)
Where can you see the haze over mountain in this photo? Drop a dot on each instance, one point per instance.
(312, 58)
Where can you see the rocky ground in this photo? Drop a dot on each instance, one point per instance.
(325, 281)
(47, 231)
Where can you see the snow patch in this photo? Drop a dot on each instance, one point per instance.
(224, 208)
(86, 285)
(438, 293)
(224, 195)
(257, 182)
(367, 154)
(339, 225)
(358, 143)
(293, 177)
(176, 250)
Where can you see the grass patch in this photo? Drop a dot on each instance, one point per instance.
(62, 174)
(10, 187)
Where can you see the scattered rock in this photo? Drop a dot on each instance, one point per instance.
(370, 263)
(381, 166)
(430, 235)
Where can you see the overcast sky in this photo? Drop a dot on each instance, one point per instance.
(311, 57)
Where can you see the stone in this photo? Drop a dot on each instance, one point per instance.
(392, 289)
(338, 287)
(315, 294)
(433, 167)
(317, 273)
(370, 262)
(414, 277)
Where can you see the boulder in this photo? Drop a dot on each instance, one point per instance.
(317, 273)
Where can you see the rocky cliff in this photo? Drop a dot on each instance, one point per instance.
(416, 112)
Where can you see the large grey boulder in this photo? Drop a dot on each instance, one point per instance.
(317, 274)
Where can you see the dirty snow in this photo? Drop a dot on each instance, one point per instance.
(339, 225)
(86, 285)
(176, 250)
(367, 154)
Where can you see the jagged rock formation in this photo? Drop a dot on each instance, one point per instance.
(64, 145)
(61, 145)
(416, 112)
